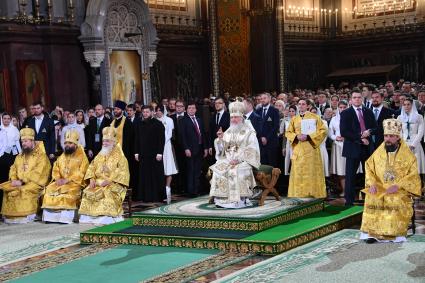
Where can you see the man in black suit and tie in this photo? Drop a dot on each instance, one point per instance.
(253, 117)
(357, 127)
(322, 102)
(44, 128)
(195, 145)
(94, 131)
(219, 119)
(179, 114)
(380, 113)
(269, 141)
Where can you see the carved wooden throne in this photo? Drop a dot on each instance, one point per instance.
(267, 177)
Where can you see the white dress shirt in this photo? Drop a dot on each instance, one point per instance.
(38, 121)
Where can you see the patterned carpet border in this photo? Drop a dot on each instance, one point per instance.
(51, 261)
(239, 246)
(200, 268)
(240, 224)
(39, 248)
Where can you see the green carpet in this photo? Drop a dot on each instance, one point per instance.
(271, 241)
(305, 223)
(187, 232)
(123, 264)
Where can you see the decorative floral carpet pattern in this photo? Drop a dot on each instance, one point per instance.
(341, 257)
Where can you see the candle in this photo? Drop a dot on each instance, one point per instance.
(70, 3)
(336, 18)
(49, 3)
(330, 18)
(37, 3)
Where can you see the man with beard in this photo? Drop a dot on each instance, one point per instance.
(28, 175)
(391, 180)
(44, 128)
(148, 151)
(381, 113)
(237, 153)
(109, 178)
(63, 194)
(124, 129)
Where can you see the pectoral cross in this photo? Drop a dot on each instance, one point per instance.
(105, 168)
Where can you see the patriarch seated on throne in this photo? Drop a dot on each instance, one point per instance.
(237, 154)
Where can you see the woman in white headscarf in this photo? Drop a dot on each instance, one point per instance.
(323, 150)
(287, 149)
(337, 167)
(413, 131)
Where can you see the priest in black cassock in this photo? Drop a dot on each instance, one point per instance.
(148, 150)
(124, 129)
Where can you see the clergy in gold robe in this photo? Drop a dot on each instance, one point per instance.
(27, 177)
(305, 133)
(237, 153)
(109, 176)
(62, 196)
(391, 180)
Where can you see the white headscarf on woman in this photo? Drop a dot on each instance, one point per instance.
(412, 117)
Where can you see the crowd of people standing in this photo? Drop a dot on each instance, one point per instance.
(169, 144)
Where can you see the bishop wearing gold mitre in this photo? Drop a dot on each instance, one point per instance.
(391, 180)
(28, 175)
(63, 194)
(109, 177)
(305, 134)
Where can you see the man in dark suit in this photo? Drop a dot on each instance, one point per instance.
(253, 117)
(219, 119)
(322, 102)
(357, 127)
(44, 128)
(269, 141)
(179, 114)
(132, 164)
(94, 131)
(195, 145)
(380, 113)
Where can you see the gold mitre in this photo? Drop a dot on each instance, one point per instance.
(109, 133)
(236, 109)
(27, 134)
(392, 127)
(72, 136)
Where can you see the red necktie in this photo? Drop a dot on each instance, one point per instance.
(361, 120)
(198, 132)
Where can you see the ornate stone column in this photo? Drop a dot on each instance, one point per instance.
(280, 12)
(215, 67)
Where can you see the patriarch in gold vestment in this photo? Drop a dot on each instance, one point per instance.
(109, 177)
(28, 175)
(391, 180)
(305, 134)
(237, 153)
(62, 196)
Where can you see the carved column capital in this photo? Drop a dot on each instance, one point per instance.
(94, 57)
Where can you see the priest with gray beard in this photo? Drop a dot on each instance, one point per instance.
(237, 153)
